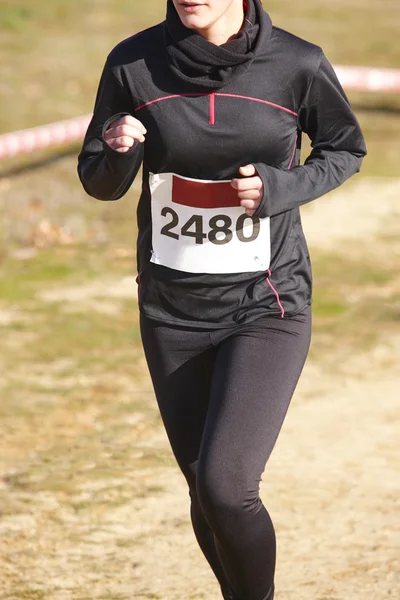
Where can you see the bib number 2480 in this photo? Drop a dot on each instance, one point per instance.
(220, 230)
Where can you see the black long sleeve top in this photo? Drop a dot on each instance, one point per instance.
(209, 110)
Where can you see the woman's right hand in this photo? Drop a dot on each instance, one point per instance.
(123, 133)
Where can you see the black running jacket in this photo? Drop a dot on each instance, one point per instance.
(209, 110)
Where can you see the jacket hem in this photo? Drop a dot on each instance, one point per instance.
(182, 323)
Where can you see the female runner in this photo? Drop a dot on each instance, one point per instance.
(213, 102)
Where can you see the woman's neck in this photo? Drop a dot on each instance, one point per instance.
(226, 27)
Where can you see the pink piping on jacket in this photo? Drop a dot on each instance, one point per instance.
(294, 152)
(146, 189)
(291, 112)
(168, 98)
(212, 109)
(276, 294)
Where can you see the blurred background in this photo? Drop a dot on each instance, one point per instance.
(91, 503)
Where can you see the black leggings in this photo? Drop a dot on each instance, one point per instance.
(223, 395)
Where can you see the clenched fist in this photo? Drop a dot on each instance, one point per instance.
(250, 189)
(123, 133)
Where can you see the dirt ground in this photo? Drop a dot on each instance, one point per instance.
(332, 485)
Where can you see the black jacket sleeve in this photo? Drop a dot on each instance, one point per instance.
(337, 148)
(105, 173)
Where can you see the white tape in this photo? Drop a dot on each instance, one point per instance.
(370, 80)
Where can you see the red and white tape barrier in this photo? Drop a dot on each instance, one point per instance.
(73, 130)
(45, 136)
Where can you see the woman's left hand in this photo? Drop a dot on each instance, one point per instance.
(250, 189)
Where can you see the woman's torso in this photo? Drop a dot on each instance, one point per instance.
(208, 136)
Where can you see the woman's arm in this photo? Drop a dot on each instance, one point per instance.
(337, 142)
(107, 173)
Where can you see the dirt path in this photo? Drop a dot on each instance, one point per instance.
(332, 485)
(332, 488)
(357, 211)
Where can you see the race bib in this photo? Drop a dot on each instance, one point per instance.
(200, 227)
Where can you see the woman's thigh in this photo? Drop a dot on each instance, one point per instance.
(181, 365)
(256, 370)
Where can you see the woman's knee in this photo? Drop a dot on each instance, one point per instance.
(225, 496)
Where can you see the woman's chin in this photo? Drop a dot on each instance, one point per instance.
(193, 22)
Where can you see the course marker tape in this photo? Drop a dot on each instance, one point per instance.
(73, 130)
